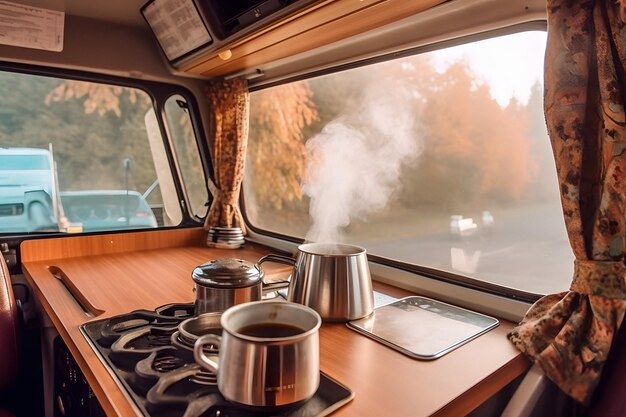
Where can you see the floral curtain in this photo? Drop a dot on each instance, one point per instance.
(569, 335)
(230, 106)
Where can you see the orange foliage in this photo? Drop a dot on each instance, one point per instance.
(100, 98)
(278, 117)
(465, 124)
(473, 149)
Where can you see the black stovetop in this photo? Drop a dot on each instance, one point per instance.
(159, 372)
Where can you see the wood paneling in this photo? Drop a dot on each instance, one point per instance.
(385, 382)
(71, 246)
(317, 26)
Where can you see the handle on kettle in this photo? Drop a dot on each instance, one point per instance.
(198, 353)
(281, 259)
(286, 260)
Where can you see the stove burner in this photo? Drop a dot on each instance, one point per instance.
(159, 337)
(118, 326)
(204, 377)
(147, 353)
(158, 363)
(167, 363)
(128, 325)
(183, 343)
(177, 389)
(194, 327)
(181, 311)
(138, 344)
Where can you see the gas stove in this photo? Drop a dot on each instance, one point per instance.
(155, 365)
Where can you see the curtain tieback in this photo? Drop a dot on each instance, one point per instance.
(600, 278)
(230, 197)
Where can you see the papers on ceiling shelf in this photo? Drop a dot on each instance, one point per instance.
(31, 27)
(177, 26)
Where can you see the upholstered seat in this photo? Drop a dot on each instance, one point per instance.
(8, 332)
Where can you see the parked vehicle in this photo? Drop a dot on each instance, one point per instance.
(98, 210)
(462, 227)
(27, 167)
(26, 210)
(27, 190)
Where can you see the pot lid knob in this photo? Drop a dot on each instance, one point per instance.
(227, 272)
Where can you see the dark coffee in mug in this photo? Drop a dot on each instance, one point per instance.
(270, 330)
(268, 353)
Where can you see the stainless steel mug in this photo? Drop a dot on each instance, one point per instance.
(268, 353)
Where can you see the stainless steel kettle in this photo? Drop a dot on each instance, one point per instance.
(332, 279)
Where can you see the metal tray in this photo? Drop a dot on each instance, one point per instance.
(423, 328)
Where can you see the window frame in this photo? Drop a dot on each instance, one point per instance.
(158, 92)
(425, 280)
(202, 148)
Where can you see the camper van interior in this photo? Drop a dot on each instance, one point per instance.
(312, 207)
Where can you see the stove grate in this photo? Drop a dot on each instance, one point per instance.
(146, 353)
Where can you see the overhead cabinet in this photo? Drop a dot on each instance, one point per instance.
(246, 38)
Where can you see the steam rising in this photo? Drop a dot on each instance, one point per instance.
(354, 164)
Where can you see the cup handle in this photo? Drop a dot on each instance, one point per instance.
(198, 353)
(274, 286)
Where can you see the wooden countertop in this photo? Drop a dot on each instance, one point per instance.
(114, 274)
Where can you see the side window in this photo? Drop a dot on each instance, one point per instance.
(76, 156)
(439, 160)
(181, 132)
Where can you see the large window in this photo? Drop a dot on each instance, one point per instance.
(79, 156)
(440, 160)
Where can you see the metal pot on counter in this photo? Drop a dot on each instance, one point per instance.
(223, 283)
(332, 279)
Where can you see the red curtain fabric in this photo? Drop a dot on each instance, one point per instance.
(228, 139)
(569, 335)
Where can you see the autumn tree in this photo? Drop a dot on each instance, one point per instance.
(545, 187)
(475, 151)
(278, 117)
(96, 98)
